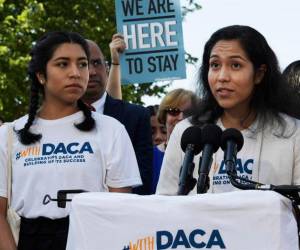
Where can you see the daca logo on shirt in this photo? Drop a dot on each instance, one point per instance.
(242, 167)
(61, 148)
(196, 239)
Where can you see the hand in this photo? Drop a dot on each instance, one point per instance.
(117, 46)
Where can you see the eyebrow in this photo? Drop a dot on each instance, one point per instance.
(231, 57)
(97, 59)
(68, 58)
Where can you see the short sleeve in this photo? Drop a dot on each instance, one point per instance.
(122, 168)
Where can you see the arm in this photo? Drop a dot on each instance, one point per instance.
(113, 87)
(122, 169)
(6, 239)
(120, 190)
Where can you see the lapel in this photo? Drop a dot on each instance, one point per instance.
(113, 108)
(108, 105)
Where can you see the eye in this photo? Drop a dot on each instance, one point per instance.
(96, 62)
(236, 65)
(62, 64)
(83, 64)
(214, 65)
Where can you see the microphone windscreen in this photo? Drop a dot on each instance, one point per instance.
(211, 134)
(233, 135)
(192, 135)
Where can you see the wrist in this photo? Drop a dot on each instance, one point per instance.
(115, 63)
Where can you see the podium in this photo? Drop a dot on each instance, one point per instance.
(240, 220)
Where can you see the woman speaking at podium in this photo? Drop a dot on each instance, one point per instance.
(240, 82)
(59, 145)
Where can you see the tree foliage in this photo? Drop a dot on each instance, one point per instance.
(23, 22)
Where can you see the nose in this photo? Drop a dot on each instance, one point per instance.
(180, 116)
(223, 75)
(158, 138)
(74, 71)
(92, 70)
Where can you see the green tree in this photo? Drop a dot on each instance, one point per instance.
(23, 22)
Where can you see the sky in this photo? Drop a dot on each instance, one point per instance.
(277, 20)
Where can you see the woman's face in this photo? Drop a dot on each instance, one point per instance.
(231, 76)
(159, 132)
(67, 74)
(173, 118)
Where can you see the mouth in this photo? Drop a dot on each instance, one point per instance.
(74, 85)
(224, 92)
(93, 83)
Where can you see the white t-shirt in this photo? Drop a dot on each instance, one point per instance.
(66, 158)
(265, 158)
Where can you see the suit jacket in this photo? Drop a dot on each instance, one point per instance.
(136, 120)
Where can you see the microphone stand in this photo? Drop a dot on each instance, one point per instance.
(288, 191)
(62, 197)
(203, 180)
(185, 186)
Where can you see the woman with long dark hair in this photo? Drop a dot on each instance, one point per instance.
(59, 145)
(240, 80)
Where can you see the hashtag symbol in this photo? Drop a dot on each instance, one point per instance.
(126, 248)
(18, 156)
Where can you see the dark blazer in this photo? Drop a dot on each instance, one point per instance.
(136, 120)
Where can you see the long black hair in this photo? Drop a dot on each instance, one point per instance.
(266, 100)
(41, 53)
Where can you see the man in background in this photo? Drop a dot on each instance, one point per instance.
(135, 118)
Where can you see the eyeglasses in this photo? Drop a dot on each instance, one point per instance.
(173, 111)
(97, 63)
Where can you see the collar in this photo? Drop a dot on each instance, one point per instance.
(99, 105)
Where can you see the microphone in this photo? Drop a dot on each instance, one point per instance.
(191, 145)
(211, 136)
(231, 143)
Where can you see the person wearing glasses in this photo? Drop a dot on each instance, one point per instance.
(174, 107)
(135, 118)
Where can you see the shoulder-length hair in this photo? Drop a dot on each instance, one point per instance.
(266, 100)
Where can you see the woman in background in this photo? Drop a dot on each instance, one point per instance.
(174, 107)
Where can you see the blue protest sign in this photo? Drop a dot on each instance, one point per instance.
(152, 31)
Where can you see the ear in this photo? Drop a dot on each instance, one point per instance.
(41, 78)
(260, 73)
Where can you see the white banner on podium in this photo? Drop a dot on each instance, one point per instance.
(241, 220)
